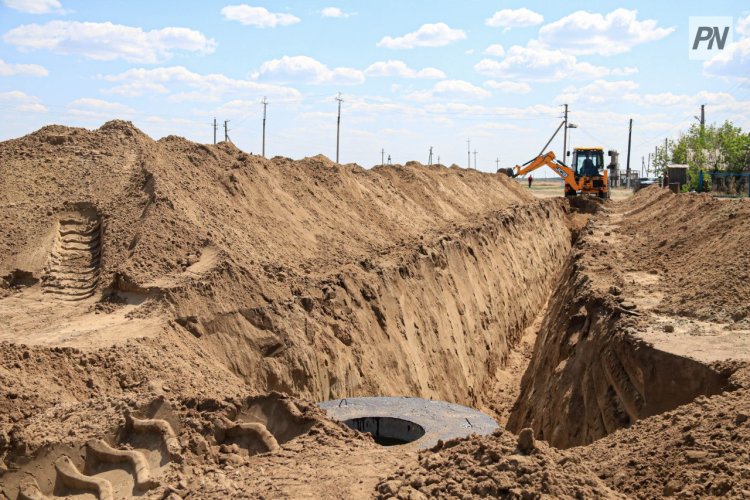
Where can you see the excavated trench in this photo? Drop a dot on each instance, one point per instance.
(440, 323)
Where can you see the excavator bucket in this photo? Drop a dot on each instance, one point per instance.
(507, 171)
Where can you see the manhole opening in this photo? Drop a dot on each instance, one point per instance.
(387, 431)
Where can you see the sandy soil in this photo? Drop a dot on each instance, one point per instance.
(158, 297)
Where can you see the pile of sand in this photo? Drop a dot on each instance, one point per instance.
(500, 465)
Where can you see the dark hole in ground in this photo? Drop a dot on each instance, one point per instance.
(387, 431)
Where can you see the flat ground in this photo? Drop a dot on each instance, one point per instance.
(550, 188)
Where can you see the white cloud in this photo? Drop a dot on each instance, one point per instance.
(259, 17)
(428, 35)
(191, 86)
(304, 69)
(400, 69)
(598, 92)
(335, 12)
(536, 63)
(19, 101)
(450, 90)
(35, 6)
(7, 69)
(107, 41)
(743, 26)
(627, 70)
(98, 108)
(518, 18)
(584, 33)
(509, 87)
(495, 50)
(732, 62)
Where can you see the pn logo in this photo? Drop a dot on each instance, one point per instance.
(708, 36)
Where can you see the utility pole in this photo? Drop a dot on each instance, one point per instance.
(565, 135)
(429, 162)
(666, 153)
(497, 164)
(265, 103)
(468, 150)
(630, 136)
(475, 159)
(226, 131)
(389, 160)
(438, 159)
(338, 126)
(643, 165)
(703, 118)
(215, 130)
(382, 157)
(648, 165)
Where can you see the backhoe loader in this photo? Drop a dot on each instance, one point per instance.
(584, 177)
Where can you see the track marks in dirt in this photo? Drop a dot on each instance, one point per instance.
(100, 469)
(72, 271)
(263, 425)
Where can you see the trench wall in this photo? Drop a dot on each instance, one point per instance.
(434, 322)
(589, 377)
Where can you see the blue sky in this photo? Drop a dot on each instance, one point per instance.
(412, 74)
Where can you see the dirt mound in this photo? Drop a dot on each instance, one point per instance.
(698, 450)
(500, 465)
(700, 244)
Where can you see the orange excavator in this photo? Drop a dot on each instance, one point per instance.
(587, 175)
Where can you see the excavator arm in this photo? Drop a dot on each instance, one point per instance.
(561, 169)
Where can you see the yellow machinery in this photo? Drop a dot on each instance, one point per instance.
(586, 175)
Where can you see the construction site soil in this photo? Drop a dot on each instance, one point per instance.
(171, 312)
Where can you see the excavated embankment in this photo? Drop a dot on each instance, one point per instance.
(609, 352)
(315, 279)
(436, 322)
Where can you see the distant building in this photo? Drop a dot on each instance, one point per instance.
(711, 158)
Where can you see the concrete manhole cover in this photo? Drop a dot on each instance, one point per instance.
(415, 421)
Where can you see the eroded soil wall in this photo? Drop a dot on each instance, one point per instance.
(588, 375)
(435, 322)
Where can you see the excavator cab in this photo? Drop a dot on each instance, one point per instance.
(590, 171)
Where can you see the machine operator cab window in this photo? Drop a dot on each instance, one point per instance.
(588, 163)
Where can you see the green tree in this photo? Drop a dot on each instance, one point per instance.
(697, 148)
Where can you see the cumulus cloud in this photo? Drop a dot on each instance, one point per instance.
(7, 69)
(743, 26)
(19, 101)
(98, 108)
(732, 62)
(495, 50)
(107, 41)
(184, 85)
(401, 70)
(585, 33)
(260, 17)
(509, 87)
(599, 92)
(514, 18)
(535, 63)
(428, 35)
(35, 6)
(304, 69)
(335, 12)
(450, 90)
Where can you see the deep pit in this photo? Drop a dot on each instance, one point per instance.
(387, 431)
